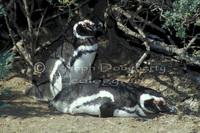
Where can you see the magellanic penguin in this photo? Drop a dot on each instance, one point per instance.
(69, 64)
(108, 98)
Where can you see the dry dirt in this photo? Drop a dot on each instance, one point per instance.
(180, 87)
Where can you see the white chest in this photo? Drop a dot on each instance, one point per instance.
(81, 66)
(82, 63)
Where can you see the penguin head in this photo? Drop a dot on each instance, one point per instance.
(154, 102)
(86, 29)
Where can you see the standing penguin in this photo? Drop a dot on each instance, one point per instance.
(69, 64)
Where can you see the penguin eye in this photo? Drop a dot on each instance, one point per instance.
(160, 102)
(85, 24)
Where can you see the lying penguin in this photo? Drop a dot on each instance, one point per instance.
(69, 64)
(107, 98)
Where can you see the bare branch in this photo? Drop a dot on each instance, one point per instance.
(142, 58)
(21, 50)
(188, 59)
(181, 55)
(51, 40)
(30, 27)
(145, 40)
(191, 42)
(119, 11)
(32, 42)
(40, 24)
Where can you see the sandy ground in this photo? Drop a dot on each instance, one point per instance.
(29, 116)
(181, 88)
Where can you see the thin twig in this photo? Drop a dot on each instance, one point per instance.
(57, 37)
(55, 16)
(62, 13)
(140, 61)
(180, 52)
(21, 7)
(13, 40)
(10, 17)
(30, 27)
(169, 48)
(191, 42)
(9, 5)
(134, 15)
(40, 24)
(145, 40)
(112, 123)
(4, 48)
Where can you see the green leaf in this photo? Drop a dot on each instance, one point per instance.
(76, 4)
(178, 18)
(50, 1)
(4, 105)
(6, 59)
(5, 92)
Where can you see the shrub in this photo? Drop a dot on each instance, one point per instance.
(67, 3)
(5, 63)
(184, 13)
(1, 13)
(1, 10)
(4, 104)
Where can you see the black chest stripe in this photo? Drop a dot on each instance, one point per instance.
(80, 53)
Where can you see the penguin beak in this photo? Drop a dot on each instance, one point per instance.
(98, 25)
(167, 108)
(95, 26)
(171, 108)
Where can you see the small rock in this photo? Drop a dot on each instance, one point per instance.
(193, 104)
